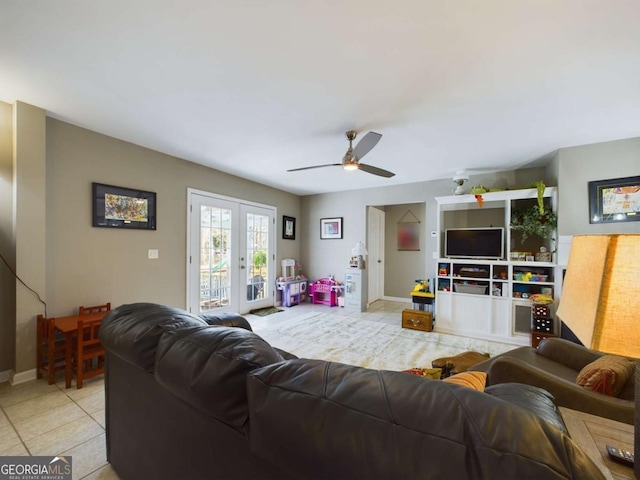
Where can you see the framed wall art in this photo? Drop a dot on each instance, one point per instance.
(120, 207)
(409, 233)
(288, 228)
(330, 228)
(615, 200)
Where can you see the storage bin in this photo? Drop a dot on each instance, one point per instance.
(475, 289)
(417, 320)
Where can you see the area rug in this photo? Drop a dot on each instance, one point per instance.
(263, 312)
(367, 343)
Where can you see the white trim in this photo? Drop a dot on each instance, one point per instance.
(239, 202)
(398, 299)
(23, 377)
(5, 376)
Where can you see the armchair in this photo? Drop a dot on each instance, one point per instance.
(555, 366)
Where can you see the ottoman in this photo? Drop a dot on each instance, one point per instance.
(461, 362)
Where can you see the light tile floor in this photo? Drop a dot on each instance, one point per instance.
(41, 419)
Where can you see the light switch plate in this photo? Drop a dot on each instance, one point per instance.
(153, 253)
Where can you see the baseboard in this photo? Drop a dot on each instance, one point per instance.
(5, 376)
(23, 377)
(397, 299)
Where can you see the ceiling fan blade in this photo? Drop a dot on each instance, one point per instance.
(366, 144)
(315, 166)
(375, 170)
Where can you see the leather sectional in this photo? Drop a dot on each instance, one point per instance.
(205, 397)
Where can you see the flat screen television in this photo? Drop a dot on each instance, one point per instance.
(487, 243)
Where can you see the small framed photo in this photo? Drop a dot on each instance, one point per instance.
(288, 228)
(120, 207)
(330, 228)
(615, 200)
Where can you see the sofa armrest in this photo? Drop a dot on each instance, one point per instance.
(567, 353)
(566, 393)
(226, 319)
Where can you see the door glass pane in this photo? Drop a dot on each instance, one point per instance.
(215, 257)
(257, 251)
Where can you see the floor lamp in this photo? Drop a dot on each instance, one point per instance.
(600, 300)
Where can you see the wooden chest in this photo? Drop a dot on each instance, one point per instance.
(417, 320)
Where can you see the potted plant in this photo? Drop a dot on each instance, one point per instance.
(536, 219)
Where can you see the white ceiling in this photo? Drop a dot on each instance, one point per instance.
(254, 88)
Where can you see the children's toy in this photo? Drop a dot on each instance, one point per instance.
(325, 291)
(421, 296)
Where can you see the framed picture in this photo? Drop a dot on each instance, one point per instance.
(288, 228)
(330, 228)
(615, 200)
(409, 236)
(120, 207)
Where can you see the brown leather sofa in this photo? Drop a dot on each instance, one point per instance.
(555, 366)
(191, 397)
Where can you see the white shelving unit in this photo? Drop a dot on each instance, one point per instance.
(488, 298)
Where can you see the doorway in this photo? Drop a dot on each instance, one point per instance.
(404, 265)
(231, 254)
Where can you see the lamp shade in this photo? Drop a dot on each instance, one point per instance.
(359, 249)
(600, 299)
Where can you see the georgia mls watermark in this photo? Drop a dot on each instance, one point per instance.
(35, 468)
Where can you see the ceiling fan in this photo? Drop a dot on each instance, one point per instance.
(351, 159)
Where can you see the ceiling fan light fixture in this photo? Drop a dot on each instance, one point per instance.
(350, 166)
(349, 161)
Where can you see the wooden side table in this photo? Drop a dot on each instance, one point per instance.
(592, 433)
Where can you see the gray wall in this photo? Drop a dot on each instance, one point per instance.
(579, 165)
(320, 257)
(86, 265)
(399, 265)
(94, 265)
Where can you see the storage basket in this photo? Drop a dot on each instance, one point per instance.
(475, 289)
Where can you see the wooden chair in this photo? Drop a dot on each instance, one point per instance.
(50, 349)
(89, 352)
(95, 309)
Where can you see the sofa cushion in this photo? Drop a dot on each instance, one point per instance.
(354, 416)
(475, 380)
(608, 374)
(535, 399)
(132, 331)
(207, 367)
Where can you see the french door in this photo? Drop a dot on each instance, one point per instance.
(230, 264)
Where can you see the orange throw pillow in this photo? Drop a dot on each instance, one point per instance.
(475, 380)
(606, 375)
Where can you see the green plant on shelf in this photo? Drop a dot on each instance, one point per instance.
(534, 220)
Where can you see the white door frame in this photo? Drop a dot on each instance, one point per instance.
(238, 283)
